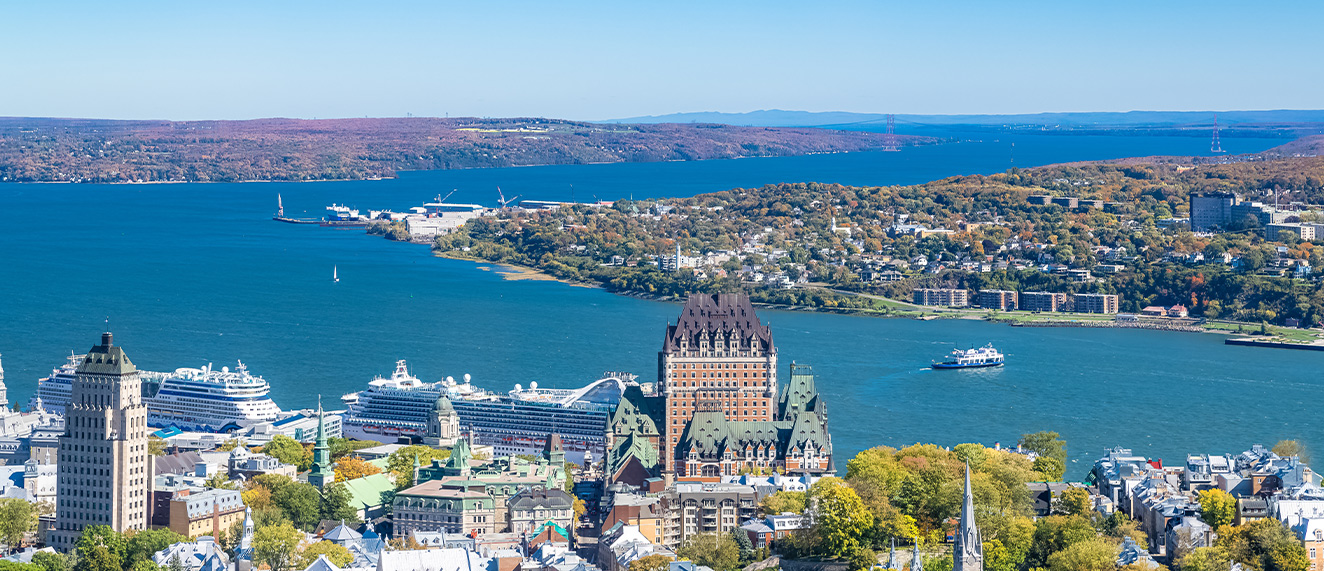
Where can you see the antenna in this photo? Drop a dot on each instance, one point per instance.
(1215, 146)
(889, 138)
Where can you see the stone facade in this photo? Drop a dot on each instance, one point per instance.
(104, 477)
(531, 508)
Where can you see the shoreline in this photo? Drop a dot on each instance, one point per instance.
(525, 273)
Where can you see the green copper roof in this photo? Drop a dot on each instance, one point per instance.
(106, 359)
(368, 490)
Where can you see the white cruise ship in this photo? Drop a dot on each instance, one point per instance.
(208, 399)
(55, 391)
(517, 422)
(202, 399)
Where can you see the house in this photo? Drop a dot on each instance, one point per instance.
(1154, 311)
(1178, 310)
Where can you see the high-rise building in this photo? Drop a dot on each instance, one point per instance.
(321, 473)
(1212, 210)
(967, 549)
(1041, 301)
(103, 470)
(717, 356)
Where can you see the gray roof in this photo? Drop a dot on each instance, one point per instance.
(719, 314)
(529, 499)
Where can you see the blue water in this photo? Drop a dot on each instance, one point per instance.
(194, 273)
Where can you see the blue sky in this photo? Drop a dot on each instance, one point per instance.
(600, 60)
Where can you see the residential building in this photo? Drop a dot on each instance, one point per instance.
(713, 507)
(247, 465)
(1000, 299)
(717, 354)
(432, 506)
(531, 508)
(204, 513)
(103, 468)
(945, 297)
(622, 545)
(1095, 303)
(1041, 301)
(204, 553)
(496, 480)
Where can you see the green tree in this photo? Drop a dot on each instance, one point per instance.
(99, 548)
(1287, 448)
(334, 503)
(1051, 452)
(746, 546)
(1073, 501)
(301, 504)
(156, 446)
(288, 451)
(1054, 534)
(717, 550)
(277, 546)
(973, 454)
(651, 563)
(1217, 508)
(337, 554)
(147, 542)
(146, 566)
(17, 518)
(52, 561)
(401, 462)
(17, 566)
(1094, 554)
(782, 501)
(840, 519)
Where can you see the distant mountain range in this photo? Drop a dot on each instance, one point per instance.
(780, 118)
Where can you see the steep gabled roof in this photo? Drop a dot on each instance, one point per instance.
(722, 313)
(800, 392)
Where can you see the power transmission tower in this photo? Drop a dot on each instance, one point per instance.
(1215, 146)
(889, 138)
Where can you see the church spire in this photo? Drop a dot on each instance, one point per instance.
(968, 550)
(915, 563)
(321, 474)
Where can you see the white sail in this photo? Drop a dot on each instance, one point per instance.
(335, 274)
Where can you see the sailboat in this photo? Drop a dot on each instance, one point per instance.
(335, 274)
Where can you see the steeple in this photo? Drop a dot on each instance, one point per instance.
(967, 549)
(915, 563)
(892, 563)
(4, 391)
(321, 474)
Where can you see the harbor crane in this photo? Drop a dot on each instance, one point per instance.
(501, 198)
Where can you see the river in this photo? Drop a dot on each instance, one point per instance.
(188, 274)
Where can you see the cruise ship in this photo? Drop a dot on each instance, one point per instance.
(54, 392)
(208, 400)
(202, 399)
(517, 422)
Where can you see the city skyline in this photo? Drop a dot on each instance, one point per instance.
(597, 61)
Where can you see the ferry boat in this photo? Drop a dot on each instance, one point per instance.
(985, 356)
(202, 399)
(517, 422)
(206, 399)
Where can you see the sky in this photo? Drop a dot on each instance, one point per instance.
(604, 60)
